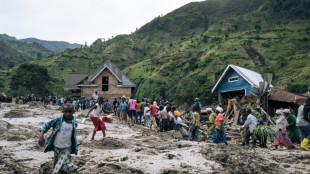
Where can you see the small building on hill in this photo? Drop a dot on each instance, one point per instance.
(107, 80)
(236, 81)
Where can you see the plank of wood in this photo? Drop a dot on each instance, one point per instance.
(236, 112)
(227, 110)
(268, 116)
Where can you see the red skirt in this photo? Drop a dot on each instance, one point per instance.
(99, 124)
(282, 140)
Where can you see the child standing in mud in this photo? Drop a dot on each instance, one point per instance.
(99, 124)
(62, 140)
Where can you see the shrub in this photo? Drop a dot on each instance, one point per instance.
(265, 44)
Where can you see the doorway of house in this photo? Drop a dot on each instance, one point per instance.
(230, 95)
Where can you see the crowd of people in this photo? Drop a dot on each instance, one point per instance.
(165, 117)
(162, 117)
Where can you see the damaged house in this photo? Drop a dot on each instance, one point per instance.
(236, 82)
(107, 80)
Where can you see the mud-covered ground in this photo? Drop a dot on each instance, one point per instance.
(132, 149)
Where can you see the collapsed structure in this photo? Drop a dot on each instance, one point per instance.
(236, 82)
(238, 86)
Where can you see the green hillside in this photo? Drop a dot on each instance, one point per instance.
(14, 51)
(56, 46)
(182, 54)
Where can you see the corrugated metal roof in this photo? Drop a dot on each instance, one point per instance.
(73, 80)
(252, 77)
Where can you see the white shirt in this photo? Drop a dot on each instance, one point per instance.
(300, 121)
(146, 108)
(251, 121)
(178, 120)
(96, 112)
(63, 137)
(281, 123)
(95, 97)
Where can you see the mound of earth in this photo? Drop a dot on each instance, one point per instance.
(82, 131)
(4, 126)
(9, 165)
(17, 133)
(15, 114)
(113, 143)
(103, 167)
(235, 159)
(107, 143)
(47, 167)
(36, 104)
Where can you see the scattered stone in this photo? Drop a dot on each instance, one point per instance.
(177, 135)
(170, 156)
(124, 158)
(168, 171)
(183, 165)
(286, 166)
(138, 149)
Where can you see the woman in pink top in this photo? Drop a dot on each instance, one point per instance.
(132, 109)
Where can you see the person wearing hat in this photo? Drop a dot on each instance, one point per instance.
(281, 138)
(197, 105)
(177, 120)
(292, 129)
(218, 136)
(211, 125)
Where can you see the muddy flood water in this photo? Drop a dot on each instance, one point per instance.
(131, 149)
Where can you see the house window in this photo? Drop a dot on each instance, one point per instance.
(105, 83)
(233, 79)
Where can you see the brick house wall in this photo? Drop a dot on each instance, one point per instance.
(113, 92)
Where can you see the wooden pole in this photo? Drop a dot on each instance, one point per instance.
(268, 116)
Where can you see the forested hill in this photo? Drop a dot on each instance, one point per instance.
(56, 46)
(14, 51)
(182, 54)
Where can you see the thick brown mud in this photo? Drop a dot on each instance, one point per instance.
(132, 149)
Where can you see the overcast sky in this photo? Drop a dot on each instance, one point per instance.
(77, 21)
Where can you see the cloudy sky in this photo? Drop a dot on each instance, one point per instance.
(77, 21)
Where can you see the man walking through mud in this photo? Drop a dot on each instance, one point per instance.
(251, 122)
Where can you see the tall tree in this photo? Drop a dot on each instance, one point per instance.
(30, 78)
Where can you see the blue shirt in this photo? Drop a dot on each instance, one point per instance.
(123, 106)
(107, 104)
(56, 124)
